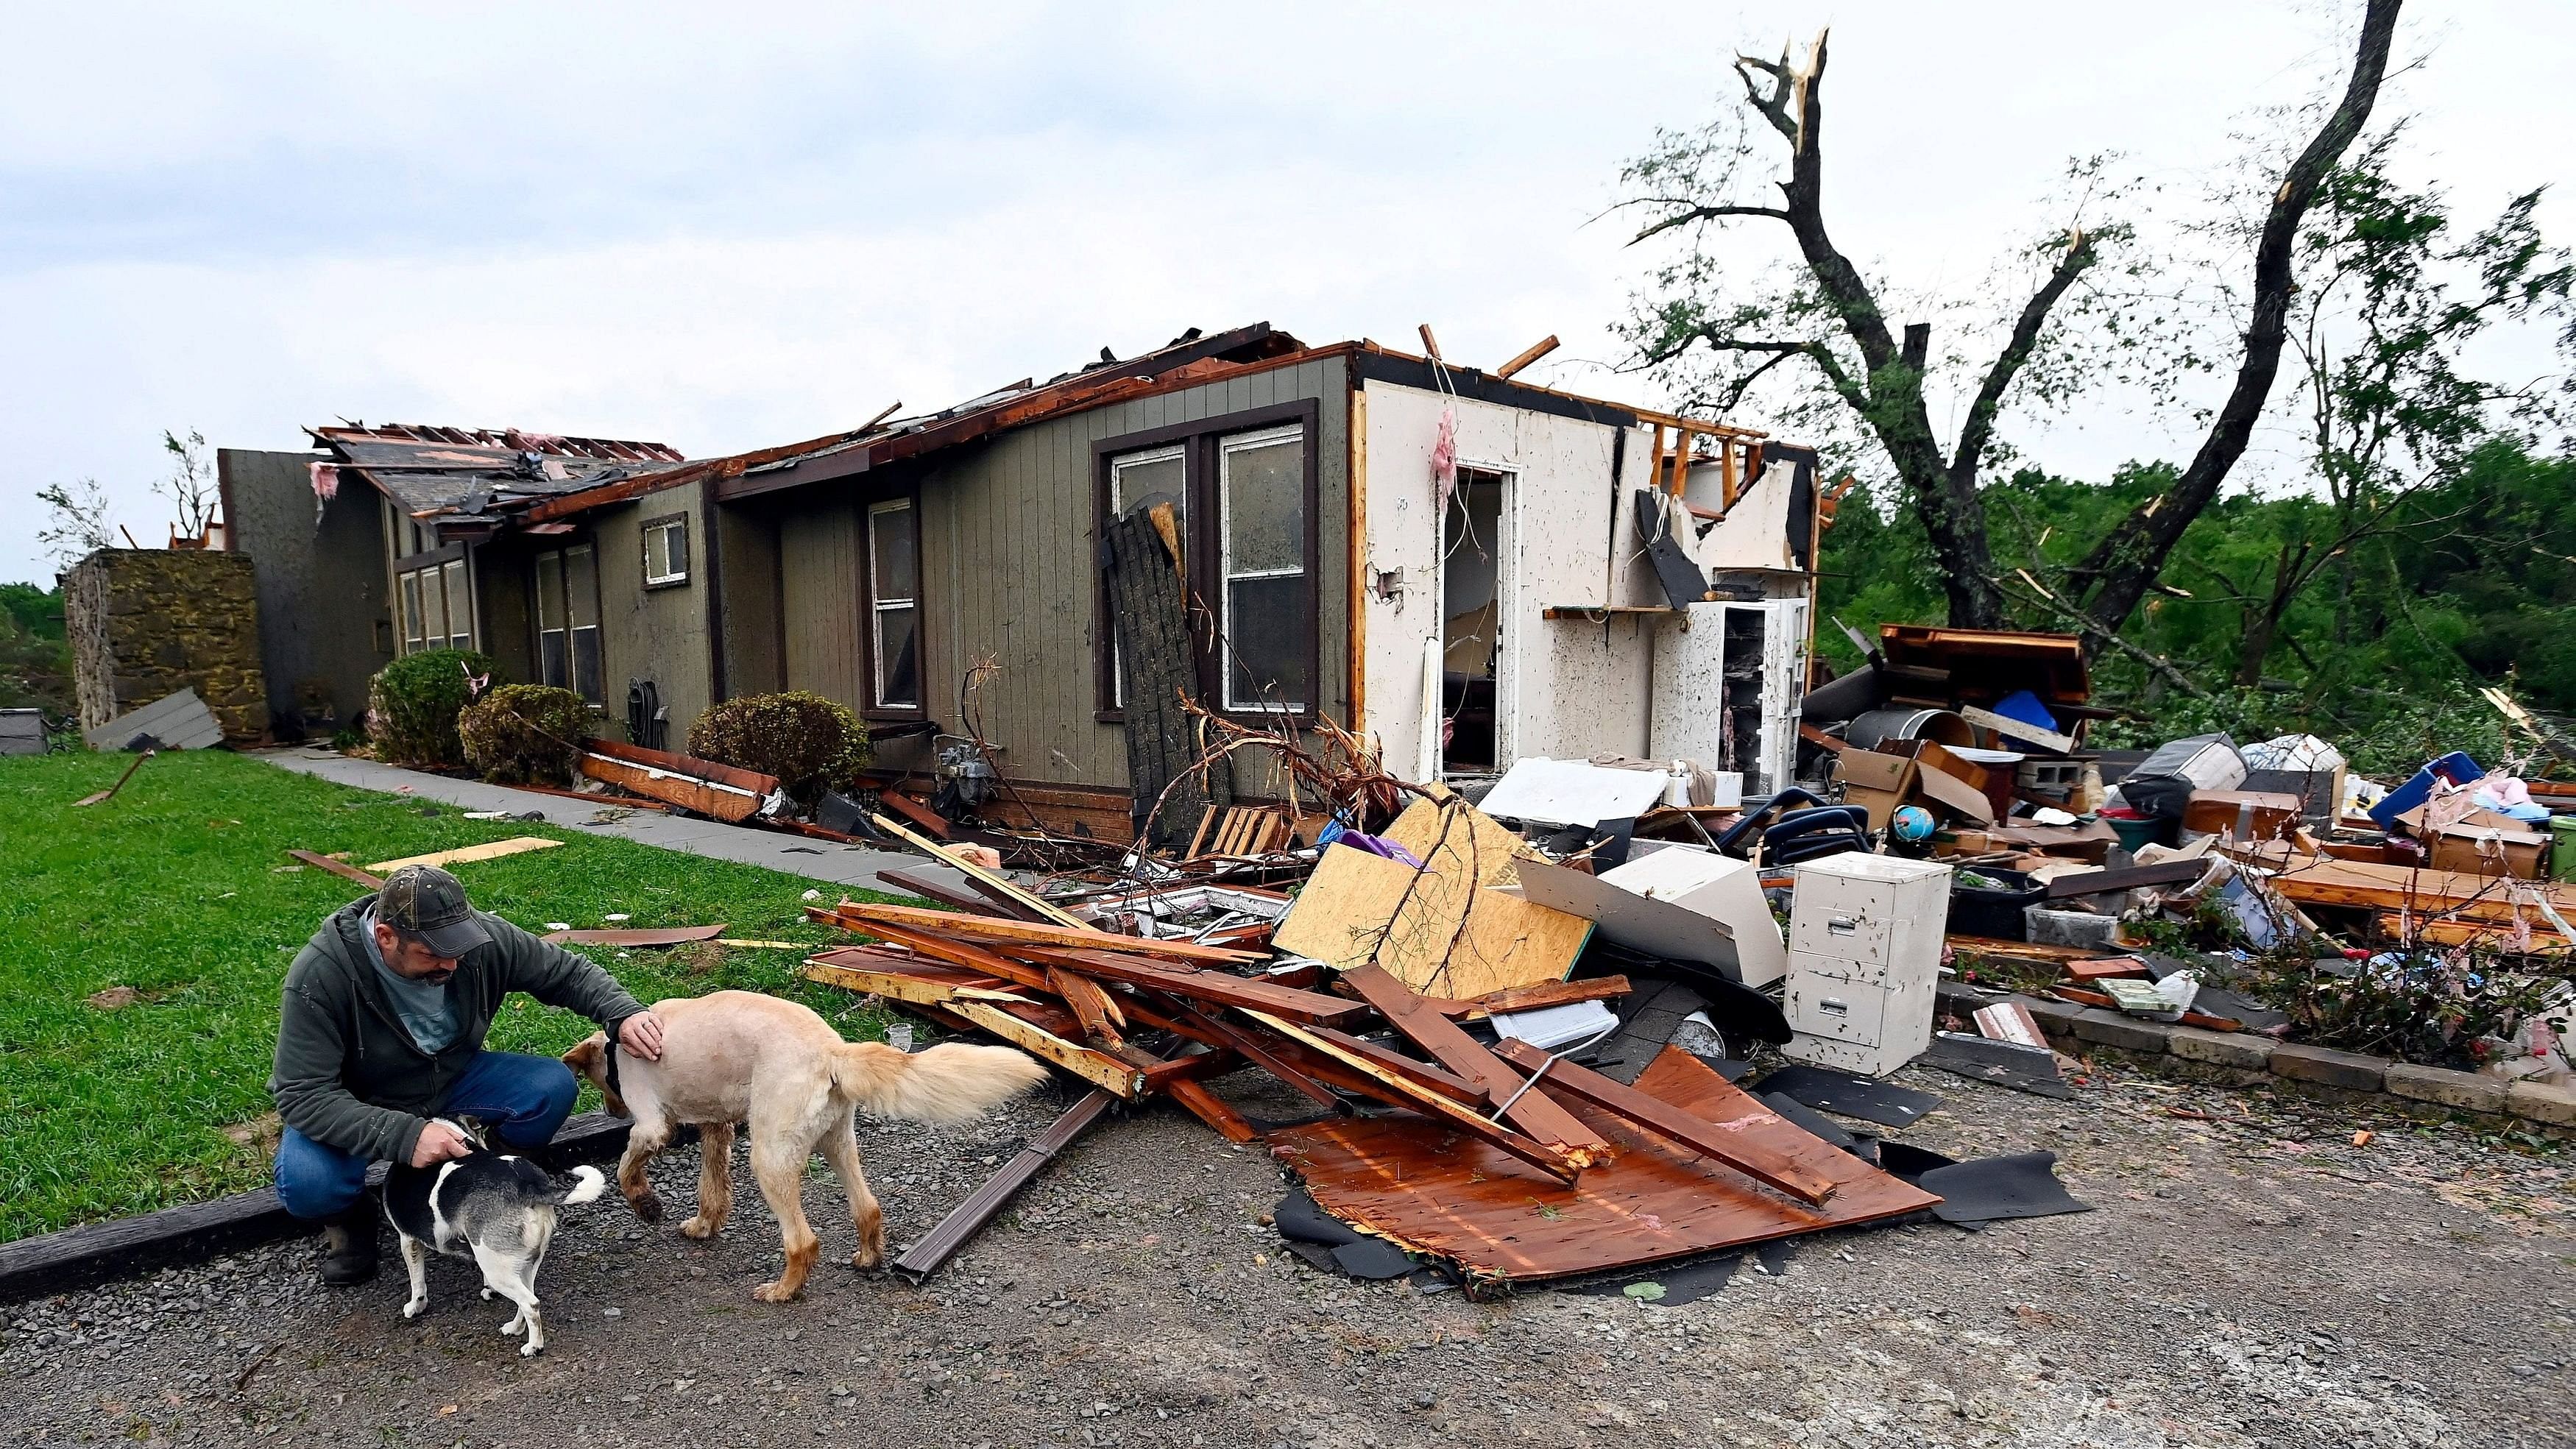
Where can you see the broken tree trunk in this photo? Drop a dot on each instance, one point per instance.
(1150, 609)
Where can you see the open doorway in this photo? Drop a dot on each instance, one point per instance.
(1474, 593)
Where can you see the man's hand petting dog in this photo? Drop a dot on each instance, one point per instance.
(641, 1035)
(438, 1143)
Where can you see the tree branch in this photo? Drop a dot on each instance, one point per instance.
(2161, 666)
(1980, 426)
(1703, 213)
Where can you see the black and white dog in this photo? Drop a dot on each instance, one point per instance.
(498, 1209)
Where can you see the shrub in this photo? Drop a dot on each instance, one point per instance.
(807, 741)
(413, 702)
(524, 733)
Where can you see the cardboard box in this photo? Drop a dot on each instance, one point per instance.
(1878, 783)
(2474, 849)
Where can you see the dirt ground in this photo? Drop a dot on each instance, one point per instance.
(2254, 1282)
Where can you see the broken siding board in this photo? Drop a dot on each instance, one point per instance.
(1548, 1159)
(1461, 1199)
(467, 855)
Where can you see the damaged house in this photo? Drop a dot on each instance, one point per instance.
(1466, 567)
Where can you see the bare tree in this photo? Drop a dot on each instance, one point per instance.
(2120, 569)
(1830, 317)
(76, 521)
(191, 486)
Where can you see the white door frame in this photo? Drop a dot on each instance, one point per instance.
(1507, 627)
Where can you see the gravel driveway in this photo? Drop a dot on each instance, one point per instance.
(2253, 1282)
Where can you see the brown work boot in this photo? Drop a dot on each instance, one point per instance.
(349, 1246)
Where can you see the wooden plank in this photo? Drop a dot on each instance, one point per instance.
(1526, 356)
(1530, 998)
(467, 855)
(1215, 987)
(1091, 1006)
(1045, 910)
(749, 781)
(916, 812)
(2044, 738)
(1216, 1035)
(1204, 1105)
(960, 953)
(706, 797)
(901, 986)
(932, 888)
(1550, 1160)
(2095, 882)
(1077, 936)
(340, 868)
(647, 936)
(2425, 893)
(1533, 1112)
(1105, 1072)
(1449, 1084)
(1762, 1164)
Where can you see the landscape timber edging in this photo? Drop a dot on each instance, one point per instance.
(2081, 1030)
(94, 1253)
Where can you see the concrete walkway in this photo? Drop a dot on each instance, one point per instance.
(822, 860)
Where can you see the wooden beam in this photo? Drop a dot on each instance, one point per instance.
(967, 954)
(340, 868)
(1555, 1163)
(1530, 998)
(1528, 355)
(901, 986)
(1105, 1072)
(1448, 1084)
(1214, 987)
(1430, 344)
(1078, 936)
(1532, 1112)
(1045, 910)
(1091, 1006)
(1665, 1120)
(707, 797)
(1209, 1032)
(1205, 1105)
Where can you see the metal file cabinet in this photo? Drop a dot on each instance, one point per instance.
(1864, 957)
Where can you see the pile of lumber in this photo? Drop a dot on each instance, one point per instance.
(1138, 1017)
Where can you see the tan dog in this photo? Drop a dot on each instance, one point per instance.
(738, 1056)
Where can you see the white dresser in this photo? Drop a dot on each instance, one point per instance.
(1864, 956)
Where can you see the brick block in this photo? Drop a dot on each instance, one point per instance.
(2328, 1067)
(2243, 1050)
(2541, 1102)
(2465, 1090)
(2128, 1033)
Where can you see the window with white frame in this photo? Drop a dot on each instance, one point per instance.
(1134, 477)
(568, 621)
(894, 606)
(666, 551)
(1266, 653)
(437, 605)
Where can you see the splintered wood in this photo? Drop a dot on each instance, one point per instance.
(1440, 929)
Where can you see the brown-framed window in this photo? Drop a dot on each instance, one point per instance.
(567, 589)
(1246, 483)
(434, 600)
(666, 551)
(894, 604)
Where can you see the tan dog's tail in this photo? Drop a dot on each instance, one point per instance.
(944, 1084)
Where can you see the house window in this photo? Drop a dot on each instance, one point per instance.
(437, 604)
(666, 551)
(1243, 486)
(894, 605)
(1266, 651)
(1132, 478)
(568, 621)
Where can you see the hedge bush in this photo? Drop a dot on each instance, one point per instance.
(413, 702)
(523, 734)
(810, 743)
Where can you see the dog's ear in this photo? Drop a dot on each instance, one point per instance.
(589, 1058)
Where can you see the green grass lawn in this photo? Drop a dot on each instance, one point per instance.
(179, 888)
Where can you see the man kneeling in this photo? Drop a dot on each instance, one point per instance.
(381, 1029)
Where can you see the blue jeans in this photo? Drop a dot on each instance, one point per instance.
(523, 1099)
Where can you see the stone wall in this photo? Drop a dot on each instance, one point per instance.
(149, 622)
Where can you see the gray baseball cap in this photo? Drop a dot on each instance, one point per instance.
(431, 903)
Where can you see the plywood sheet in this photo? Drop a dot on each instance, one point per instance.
(492, 850)
(1436, 930)
(1501, 1220)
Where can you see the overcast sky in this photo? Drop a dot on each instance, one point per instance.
(723, 227)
